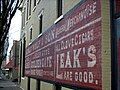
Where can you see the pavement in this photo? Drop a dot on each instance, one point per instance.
(9, 85)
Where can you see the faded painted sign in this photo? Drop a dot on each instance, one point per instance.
(70, 51)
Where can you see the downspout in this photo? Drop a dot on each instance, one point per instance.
(114, 63)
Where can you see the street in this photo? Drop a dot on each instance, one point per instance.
(8, 85)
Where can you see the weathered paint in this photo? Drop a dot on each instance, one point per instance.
(70, 51)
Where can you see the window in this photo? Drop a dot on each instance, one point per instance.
(57, 87)
(1, 6)
(23, 17)
(37, 84)
(34, 3)
(40, 24)
(20, 60)
(59, 8)
(31, 34)
(28, 83)
(29, 7)
(23, 63)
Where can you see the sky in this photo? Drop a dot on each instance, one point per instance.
(14, 31)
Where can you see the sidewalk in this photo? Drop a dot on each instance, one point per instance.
(8, 85)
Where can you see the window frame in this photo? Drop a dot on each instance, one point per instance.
(27, 9)
(23, 57)
(40, 17)
(30, 33)
(35, 3)
(30, 2)
(40, 23)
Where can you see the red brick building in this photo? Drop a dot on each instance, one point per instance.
(13, 63)
(70, 45)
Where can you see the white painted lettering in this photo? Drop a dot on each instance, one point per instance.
(76, 62)
(62, 60)
(68, 62)
(91, 54)
(90, 77)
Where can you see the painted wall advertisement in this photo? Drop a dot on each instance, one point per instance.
(70, 51)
